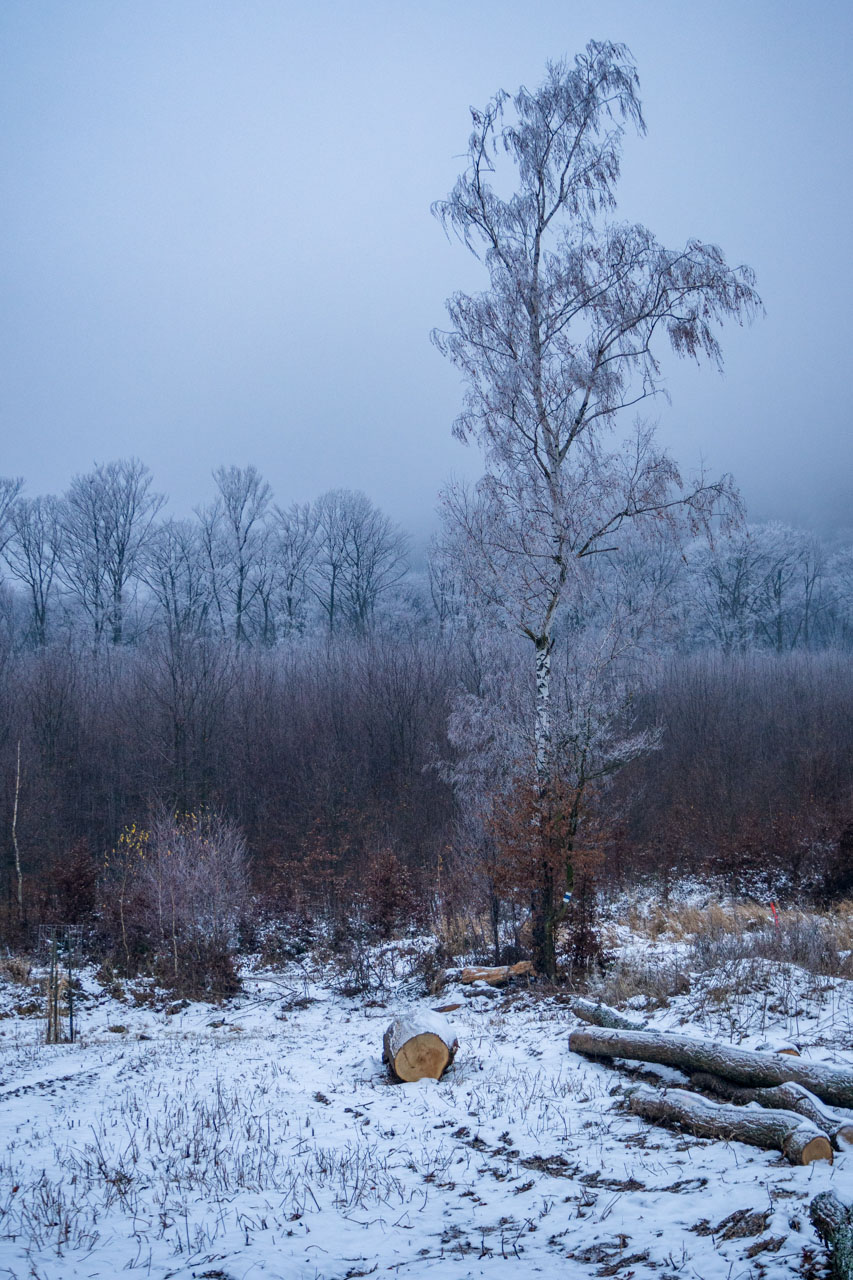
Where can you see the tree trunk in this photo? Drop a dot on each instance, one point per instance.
(543, 907)
(419, 1046)
(833, 1221)
(543, 919)
(743, 1066)
(542, 728)
(601, 1015)
(800, 1141)
(18, 874)
(792, 1097)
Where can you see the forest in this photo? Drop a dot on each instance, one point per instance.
(357, 722)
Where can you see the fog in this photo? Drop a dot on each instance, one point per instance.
(218, 247)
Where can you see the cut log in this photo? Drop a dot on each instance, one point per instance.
(481, 991)
(420, 1046)
(498, 975)
(601, 1015)
(800, 1141)
(837, 1125)
(743, 1066)
(833, 1222)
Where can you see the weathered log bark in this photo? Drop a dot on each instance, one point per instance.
(837, 1125)
(481, 990)
(798, 1139)
(498, 975)
(743, 1066)
(422, 1045)
(833, 1222)
(601, 1015)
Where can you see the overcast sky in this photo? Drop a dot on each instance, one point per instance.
(217, 244)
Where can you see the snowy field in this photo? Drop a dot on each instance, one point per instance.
(262, 1138)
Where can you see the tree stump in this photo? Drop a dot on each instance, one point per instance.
(419, 1046)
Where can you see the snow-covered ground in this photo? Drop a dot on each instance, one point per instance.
(263, 1138)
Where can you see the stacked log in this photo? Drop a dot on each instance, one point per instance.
(774, 1100)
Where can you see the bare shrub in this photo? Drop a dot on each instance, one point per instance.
(388, 895)
(174, 895)
(16, 969)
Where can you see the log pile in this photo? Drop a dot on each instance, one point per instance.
(741, 1066)
(773, 1100)
(837, 1125)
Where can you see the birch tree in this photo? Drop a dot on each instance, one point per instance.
(564, 342)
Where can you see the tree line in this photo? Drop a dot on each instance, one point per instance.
(99, 560)
(99, 564)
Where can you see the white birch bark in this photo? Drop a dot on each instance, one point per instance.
(543, 711)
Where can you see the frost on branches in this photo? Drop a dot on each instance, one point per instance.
(562, 341)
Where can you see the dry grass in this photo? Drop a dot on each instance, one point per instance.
(16, 969)
(658, 982)
(683, 921)
(819, 941)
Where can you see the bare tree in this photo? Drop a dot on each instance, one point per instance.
(294, 551)
(561, 343)
(360, 556)
(235, 533)
(9, 490)
(109, 515)
(758, 585)
(175, 571)
(33, 554)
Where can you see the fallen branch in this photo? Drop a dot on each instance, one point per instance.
(833, 1222)
(837, 1125)
(601, 1015)
(743, 1066)
(800, 1141)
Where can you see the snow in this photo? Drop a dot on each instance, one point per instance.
(264, 1138)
